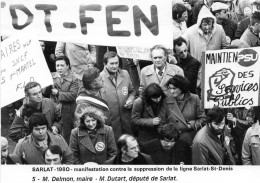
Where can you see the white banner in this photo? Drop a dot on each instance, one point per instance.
(231, 78)
(134, 52)
(22, 61)
(99, 22)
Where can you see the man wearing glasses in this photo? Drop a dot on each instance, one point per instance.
(211, 145)
(129, 153)
(188, 63)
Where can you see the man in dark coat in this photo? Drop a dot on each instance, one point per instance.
(189, 64)
(167, 148)
(129, 153)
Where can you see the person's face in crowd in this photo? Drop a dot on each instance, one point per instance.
(52, 159)
(4, 151)
(113, 64)
(174, 91)
(218, 127)
(184, 17)
(223, 15)
(181, 51)
(42, 45)
(132, 149)
(159, 58)
(207, 27)
(97, 83)
(35, 94)
(40, 132)
(90, 122)
(156, 100)
(167, 144)
(61, 67)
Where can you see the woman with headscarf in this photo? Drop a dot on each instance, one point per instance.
(145, 113)
(92, 141)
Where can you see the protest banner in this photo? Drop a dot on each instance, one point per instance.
(230, 78)
(98, 22)
(134, 52)
(22, 61)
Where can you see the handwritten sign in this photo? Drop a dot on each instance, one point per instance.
(134, 52)
(231, 78)
(22, 61)
(99, 22)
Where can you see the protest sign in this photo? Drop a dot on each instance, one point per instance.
(22, 61)
(134, 52)
(231, 78)
(98, 22)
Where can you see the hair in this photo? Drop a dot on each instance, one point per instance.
(29, 86)
(153, 90)
(122, 141)
(255, 18)
(168, 131)
(158, 47)
(88, 77)
(54, 149)
(37, 119)
(179, 82)
(178, 42)
(108, 55)
(216, 114)
(177, 10)
(66, 59)
(91, 114)
(28, 111)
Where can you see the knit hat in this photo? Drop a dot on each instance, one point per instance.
(219, 6)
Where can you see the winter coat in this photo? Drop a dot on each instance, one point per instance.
(18, 129)
(149, 75)
(85, 151)
(250, 38)
(241, 27)
(190, 67)
(68, 89)
(197, 42)
(142, 119)
(117, 96)
(191, 110)
(209, 149)
(251, 146)
(30, 153)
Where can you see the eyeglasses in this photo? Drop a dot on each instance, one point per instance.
(182, 52)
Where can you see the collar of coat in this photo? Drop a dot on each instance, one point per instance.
(151, 69)
(50, 138)
(107, 75)
(83, 132)
(68, 77)
(172, 100)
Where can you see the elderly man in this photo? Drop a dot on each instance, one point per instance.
(160, 71)
(31, 148)
(129, 153)
(211, 145)
(6, 158)
(120, 94)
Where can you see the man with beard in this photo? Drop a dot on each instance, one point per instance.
(211, 145)
(220, 11)
(6, 158)
(129, 153)
(168, 148)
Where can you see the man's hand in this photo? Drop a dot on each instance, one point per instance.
(55, 130)
(128, 104)
(156, 121)
(54, 91)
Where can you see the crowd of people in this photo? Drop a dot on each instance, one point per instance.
(99, 114)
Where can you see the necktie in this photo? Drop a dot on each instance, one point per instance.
(160, 73)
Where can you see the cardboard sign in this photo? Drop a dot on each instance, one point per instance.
(134, 52)
(22, 61)
(231, 78)
(98, 22)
